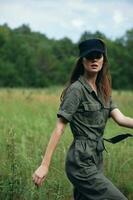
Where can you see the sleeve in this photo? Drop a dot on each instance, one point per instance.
(113, 105)
(69, 104)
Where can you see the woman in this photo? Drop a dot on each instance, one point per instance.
(86, 105)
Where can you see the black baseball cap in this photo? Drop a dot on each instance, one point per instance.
(87, 46)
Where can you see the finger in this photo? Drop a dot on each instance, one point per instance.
(38, 180)
(33, 176)
(41, 181)
(36, 185)
(35, 180)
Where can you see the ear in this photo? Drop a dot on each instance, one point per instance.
(83, 60)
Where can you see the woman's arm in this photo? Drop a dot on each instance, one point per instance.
(40, 174)
(121, 119)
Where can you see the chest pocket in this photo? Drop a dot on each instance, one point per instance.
(93, 114)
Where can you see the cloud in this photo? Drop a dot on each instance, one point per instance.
(118, 17)
(77, 23)
(69, 17)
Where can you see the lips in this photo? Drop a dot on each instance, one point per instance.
(94, 65)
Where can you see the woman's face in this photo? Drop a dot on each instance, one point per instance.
(93, 62)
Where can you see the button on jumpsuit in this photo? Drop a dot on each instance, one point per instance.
(87, 115)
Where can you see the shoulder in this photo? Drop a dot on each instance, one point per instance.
(74, 91)
(76, 86)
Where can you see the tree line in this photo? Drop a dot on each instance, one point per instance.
(31, 59)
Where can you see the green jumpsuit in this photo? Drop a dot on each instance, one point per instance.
(87, 115)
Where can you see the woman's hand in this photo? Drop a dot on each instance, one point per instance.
(40, 175)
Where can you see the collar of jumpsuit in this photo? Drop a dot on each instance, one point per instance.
(90, 90)
(84, 82)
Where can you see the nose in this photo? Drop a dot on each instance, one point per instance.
(94, 59)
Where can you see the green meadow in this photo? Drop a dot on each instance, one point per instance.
(27, 118)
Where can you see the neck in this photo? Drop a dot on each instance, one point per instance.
(91, 79)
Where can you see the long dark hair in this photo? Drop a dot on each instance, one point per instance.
(103, 81)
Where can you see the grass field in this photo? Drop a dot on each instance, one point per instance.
(27, 118)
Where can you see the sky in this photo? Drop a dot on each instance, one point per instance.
(69, 18)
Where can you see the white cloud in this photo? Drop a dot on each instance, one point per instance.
(69, 17)
(77, 23)
(118, 17)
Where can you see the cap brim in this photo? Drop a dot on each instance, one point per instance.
(87, 52)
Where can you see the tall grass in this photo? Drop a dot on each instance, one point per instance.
(27, 118)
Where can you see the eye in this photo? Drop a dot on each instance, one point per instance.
(94, 55)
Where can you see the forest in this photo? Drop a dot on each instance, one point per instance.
(30, 59)
(33, 71)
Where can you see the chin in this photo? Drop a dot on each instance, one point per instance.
(94, 70)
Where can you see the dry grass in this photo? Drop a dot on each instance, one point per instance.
(27, 118)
